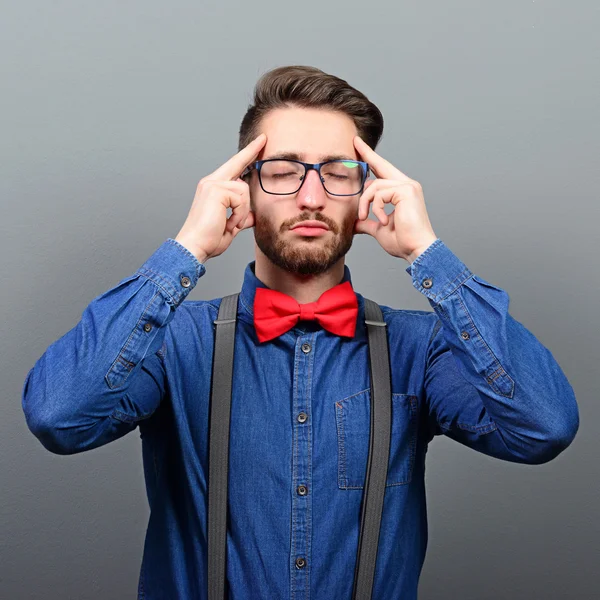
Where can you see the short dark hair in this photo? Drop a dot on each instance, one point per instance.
(309, 87)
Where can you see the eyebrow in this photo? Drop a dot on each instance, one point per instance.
(296, 156)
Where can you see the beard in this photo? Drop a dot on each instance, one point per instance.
(304, 255)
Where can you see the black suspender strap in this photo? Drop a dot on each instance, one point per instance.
(379, 452)
(218, 439)
(377, 462)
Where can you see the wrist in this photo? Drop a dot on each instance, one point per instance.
(200, 255)
(418, 251)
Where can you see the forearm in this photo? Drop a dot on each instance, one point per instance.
(83, 378)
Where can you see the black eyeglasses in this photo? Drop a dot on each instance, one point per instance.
(286, 176)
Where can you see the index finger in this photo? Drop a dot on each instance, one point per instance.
(381, 167)
(235, 166)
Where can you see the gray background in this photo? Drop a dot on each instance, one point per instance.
(112, 112)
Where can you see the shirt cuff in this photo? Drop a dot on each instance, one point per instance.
(437, 272)
(174, 269)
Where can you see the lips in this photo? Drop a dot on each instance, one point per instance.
(312, 224)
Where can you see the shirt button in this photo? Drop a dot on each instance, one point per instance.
(306, 348)
(302, 491)
(147, 327)
(427, 283)
(185, 281)
(464, 335)
(300, 563)
(302, 417)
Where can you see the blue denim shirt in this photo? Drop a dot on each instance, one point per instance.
(141, 356)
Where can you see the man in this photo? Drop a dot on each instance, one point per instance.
(141, 356)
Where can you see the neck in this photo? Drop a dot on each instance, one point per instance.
(303, 288)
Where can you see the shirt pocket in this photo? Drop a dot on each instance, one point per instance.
(352, 416)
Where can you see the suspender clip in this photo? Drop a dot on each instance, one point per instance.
(379, 323)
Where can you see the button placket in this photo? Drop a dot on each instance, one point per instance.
(302, 465)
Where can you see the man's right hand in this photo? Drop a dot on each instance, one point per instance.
(207, 231)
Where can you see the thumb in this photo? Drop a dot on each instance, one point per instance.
(248, 221)
(368, 226)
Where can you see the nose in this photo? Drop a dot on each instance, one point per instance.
(312, 194)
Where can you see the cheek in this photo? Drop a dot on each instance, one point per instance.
(264, 217)
(352, 213)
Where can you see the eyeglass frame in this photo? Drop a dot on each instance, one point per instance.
(308, 167)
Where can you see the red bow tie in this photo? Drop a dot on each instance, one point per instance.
(275, 312)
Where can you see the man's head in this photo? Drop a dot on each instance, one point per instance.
(305, 111)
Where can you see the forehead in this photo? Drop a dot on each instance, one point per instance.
(313, 134)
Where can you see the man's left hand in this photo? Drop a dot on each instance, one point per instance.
(406, 232)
